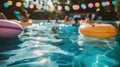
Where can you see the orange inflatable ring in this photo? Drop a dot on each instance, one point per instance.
(98, 30)
(67, 22)
(25, 23)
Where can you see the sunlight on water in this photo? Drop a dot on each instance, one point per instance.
(58, 45)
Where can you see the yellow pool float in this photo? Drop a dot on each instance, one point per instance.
(25, 23)
(98, 30)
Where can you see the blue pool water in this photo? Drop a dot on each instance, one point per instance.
(58, 45)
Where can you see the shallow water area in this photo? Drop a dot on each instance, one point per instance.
(58, 45)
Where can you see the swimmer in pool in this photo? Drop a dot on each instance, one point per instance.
(76, 23)
(24, 16)
(66, 20)
(88, 19)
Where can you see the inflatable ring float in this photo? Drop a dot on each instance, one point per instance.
(10, 29)
(25, 23)
(67, 22)
(98, 30)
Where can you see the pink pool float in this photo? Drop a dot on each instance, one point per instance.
(10, 29)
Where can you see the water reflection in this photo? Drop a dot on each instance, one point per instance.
(40, 46)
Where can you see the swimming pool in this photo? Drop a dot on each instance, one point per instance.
(58, 45)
